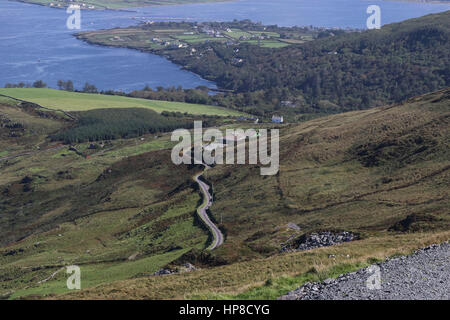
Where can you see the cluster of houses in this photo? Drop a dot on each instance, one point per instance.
(220, 34)
(228, 139)
(75, 5)
(275, 119)
(213, 33)
(231, 139)
(201, 28)
(254, 37)
(174, 44)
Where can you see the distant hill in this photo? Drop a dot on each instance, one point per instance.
(334, 73)
(341, 73)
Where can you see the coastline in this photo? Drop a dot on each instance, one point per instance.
(165, 56)
(421, 1)
(169, 58)
(128, 8)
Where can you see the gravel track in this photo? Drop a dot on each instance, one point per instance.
(424, 275)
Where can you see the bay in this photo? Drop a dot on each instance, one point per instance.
(35, 43)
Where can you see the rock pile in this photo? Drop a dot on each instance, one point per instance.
(185, 268)
(324, 239)
(163, 272)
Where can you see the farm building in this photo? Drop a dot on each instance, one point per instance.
(277, 119)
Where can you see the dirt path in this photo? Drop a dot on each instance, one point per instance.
(29, 153)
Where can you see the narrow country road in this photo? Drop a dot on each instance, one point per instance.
(202, 212)
(218, 237)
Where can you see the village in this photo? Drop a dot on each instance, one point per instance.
(71, 3)
(178, 35)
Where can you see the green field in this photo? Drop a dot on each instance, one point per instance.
(162, 39)
(74, 101)
(269, 44)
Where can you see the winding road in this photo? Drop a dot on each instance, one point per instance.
(202, 212)
(218, 237)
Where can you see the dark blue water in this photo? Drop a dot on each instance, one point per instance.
(320, 13)
(35, 43)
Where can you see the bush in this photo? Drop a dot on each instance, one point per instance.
(39, 84)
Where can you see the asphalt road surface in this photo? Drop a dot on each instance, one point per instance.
(202, 211)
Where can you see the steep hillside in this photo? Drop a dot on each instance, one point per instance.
(381, 173)
(126, 211)
(366, 171)
(346, 72)
(115, 206)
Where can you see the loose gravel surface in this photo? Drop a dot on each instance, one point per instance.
(424, 275)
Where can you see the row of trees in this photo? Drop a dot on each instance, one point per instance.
(65, 85)
(62, 85)
(36, 84)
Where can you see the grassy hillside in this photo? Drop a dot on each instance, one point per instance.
(127, 211)
(20, 129)
(363, 171)
(124, 211)
(267, 278)
(74, 101)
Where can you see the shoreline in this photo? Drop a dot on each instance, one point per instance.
(164, 56)
(124, 9)
(131, 7)
(419, 1)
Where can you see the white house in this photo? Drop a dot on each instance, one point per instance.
(277, 119)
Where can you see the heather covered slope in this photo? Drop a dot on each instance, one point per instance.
(119, 208)
(380, 173)
(367, 171)
(124, 213)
